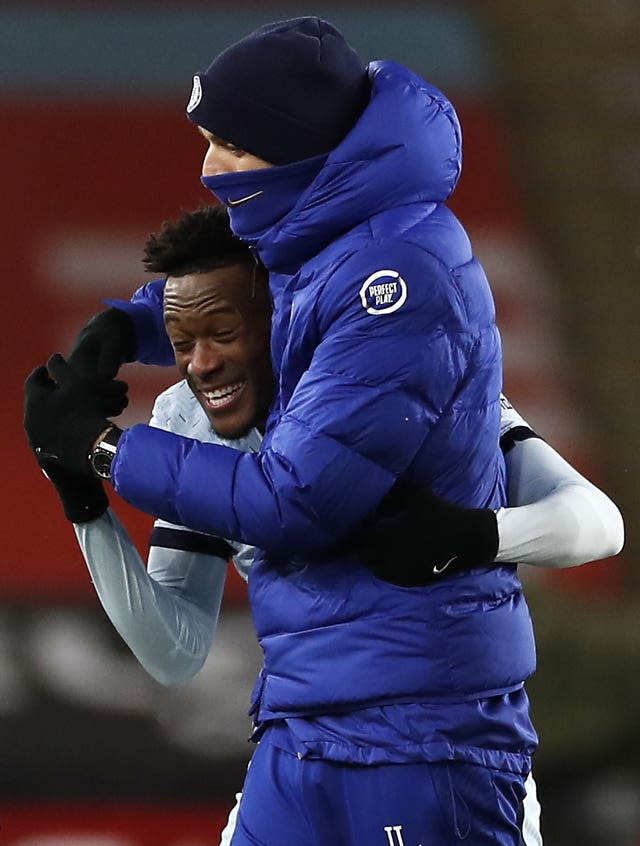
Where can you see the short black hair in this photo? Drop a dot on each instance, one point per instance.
(198, 242)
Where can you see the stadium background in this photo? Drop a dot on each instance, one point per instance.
(96, 153)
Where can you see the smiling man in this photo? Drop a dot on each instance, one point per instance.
(218, 318)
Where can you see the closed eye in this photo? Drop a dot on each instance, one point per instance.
(225, 337)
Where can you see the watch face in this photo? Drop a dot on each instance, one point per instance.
(101, 463)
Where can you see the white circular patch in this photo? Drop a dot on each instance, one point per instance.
(196, 94)
(383, 292)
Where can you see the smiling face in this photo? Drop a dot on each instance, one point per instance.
(218, 323)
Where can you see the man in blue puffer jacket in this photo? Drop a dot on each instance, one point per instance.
(387, 715)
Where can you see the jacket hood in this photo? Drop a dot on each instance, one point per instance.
(405, 148)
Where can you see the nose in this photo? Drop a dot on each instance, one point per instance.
(205, 360)
(208, 168)
(215, 162)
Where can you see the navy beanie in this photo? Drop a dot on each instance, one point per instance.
(288, 91)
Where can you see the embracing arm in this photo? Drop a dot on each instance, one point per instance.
(129, 330)
(145, 310)
(556, 517)
(167, 614)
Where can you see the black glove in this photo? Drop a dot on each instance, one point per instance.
(104, 345)
(111, 394)
(62, 418)
(83, 499)
(416, 537)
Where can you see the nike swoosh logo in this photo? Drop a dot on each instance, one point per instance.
(242, 200)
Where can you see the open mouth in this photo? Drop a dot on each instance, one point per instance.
(222, 397)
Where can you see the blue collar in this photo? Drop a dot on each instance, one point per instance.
(259, 199)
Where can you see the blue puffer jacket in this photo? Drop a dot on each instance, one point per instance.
(389, 366)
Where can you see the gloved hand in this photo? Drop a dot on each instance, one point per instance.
(112, 395)
(62, 418)
(104, 345)
(83, 499)
(416, 537)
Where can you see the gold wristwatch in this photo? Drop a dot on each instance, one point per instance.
(104, 451)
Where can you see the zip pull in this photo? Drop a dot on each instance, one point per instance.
(254, 273)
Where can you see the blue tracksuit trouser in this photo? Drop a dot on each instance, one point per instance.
(309, 802)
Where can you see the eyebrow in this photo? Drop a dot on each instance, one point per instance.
(170, 315)
(215, 139)
(209, 136)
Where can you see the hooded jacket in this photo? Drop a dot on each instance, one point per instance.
(388, 366)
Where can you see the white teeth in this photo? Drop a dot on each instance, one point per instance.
(222, 393)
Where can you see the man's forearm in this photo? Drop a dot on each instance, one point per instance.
(556, 517)
(166, 615)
